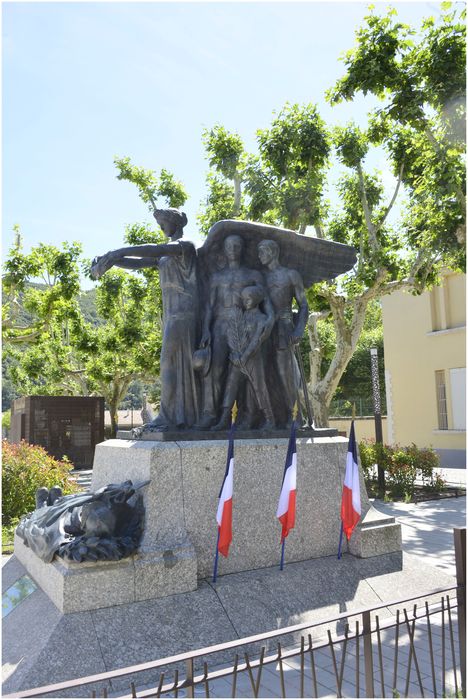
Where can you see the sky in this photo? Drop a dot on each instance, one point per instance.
(84, 82)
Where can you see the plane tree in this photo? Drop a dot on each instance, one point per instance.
(403, 238)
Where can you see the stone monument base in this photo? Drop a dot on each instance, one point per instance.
(74, 587)
(180, 532)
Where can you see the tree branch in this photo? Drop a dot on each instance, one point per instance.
(392, 201)
(315, 354)
(410, 282)
(367, 212)
(23, 338)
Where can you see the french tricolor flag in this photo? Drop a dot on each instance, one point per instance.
(351, 498)
(224, 512)
(286, 512)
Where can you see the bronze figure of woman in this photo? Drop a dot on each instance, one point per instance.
(177, 264)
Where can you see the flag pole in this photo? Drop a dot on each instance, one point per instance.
(353, 418)
(341, 541)
(215, 570)
(283, 541)
(231, 437)
(282, 554)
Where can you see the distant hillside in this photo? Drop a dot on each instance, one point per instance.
(87, 303)
(88, 307)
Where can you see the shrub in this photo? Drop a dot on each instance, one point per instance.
(367, 455)
(25, 469)
(6, 420)
(402, 467)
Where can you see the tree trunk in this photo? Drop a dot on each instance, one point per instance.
(114, 416)
(322, 389)
(315, 355)
(320, 409)
(118, 388)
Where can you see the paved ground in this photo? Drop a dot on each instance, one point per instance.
(453, 477)
(42, 646)
(427, 528)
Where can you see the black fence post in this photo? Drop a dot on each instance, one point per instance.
(368, 660)
(459, 536)
(377, 414)
(189, 679)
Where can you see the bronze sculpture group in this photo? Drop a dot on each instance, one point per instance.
(230, 329)
(230, 334)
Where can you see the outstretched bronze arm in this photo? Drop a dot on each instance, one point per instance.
(133, 257)
(148, 250)
(136, 263)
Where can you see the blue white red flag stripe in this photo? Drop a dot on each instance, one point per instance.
(224, 512)
(351, 498)
(286, 512)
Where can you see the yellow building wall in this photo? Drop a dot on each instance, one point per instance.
(422, 335)
(364, 427)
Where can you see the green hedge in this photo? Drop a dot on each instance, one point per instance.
(402, 467)
(25, 469)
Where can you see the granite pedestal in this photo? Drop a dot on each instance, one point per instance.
(179, 539)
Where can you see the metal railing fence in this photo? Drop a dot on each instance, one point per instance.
(343, 408)
(413, 647)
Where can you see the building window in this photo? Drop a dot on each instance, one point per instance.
(458, 392)
(441, 395)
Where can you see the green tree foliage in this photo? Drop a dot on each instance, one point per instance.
(225, 153)
(420, 78)
(25, 469)
(66, 354)
(281, 184)
(150, 186)
(421, 85)
(29, 309)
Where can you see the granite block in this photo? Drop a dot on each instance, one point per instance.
(100, 585)
(258, 473)
(47, 576)
(118, 460)
(74, 587)
(165, 571)
(376, 534)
